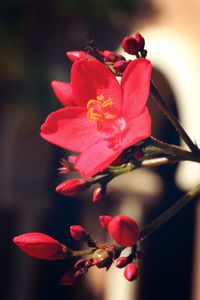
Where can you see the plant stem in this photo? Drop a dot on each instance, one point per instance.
(171, 117)
(170, 212)
(83, 252)
(175, 150)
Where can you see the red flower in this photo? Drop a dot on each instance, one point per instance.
(124, 230)
(41, 246)
(107, 117)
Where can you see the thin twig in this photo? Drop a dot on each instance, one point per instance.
(170, 212)
(171, 117)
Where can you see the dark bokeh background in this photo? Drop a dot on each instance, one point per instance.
(34, 36)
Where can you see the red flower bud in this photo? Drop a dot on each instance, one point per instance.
(140, 40)
(110, 56)
(124, 230)
(71, 278)
(79, 233)
(130, 45)
(131, 272)
(79, 55)
(41, 246)
(98, 194)
(122, 261)
(120, 66)
(104, 221)
(72, 187)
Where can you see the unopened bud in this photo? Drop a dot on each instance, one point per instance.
(41, 246)
(79, 55)
(71, 278)
(122, 261)
(120, 66)
(124, 230)
(98, 194)
(140, 40)
(130, 45)
(131, 272)
(72, 187)
(104, 221)
(80, 234)
(110, 56)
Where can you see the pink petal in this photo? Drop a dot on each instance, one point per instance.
(138, 129)
(135, 85)
(63, 92)
(95, 159)
(70, 129)
(91, 79)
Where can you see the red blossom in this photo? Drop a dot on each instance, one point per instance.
(124, 230)
(131, 272)
(72, 187)
(41, 246)
(107, 117)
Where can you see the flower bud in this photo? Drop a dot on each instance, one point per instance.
(102, 258)
(124, 230)
(79, 233)
(120, 66)
(41, 246)
(130, 45)
(79, 55)
(140, 41)
(122, 261)
(131, 272)
(71, 278)
(72, 187)
(98, 194)
(104, 221)
(110, 56)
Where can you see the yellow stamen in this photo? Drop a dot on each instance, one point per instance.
(97, 109)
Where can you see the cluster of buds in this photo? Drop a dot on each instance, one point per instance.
(123, 230)
(75, 186)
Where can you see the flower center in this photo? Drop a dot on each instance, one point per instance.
(109, 123)
(100, 109)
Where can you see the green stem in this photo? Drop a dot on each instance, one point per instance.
(170, 212)
(171, 117)
(174, 150)
(83, 252)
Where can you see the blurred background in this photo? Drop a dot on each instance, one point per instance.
(34, 36)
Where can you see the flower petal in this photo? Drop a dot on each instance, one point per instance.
(138, 129)
(91, 79)
(63, 92)
(135, 85)
(96, 158)
(70, 129)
